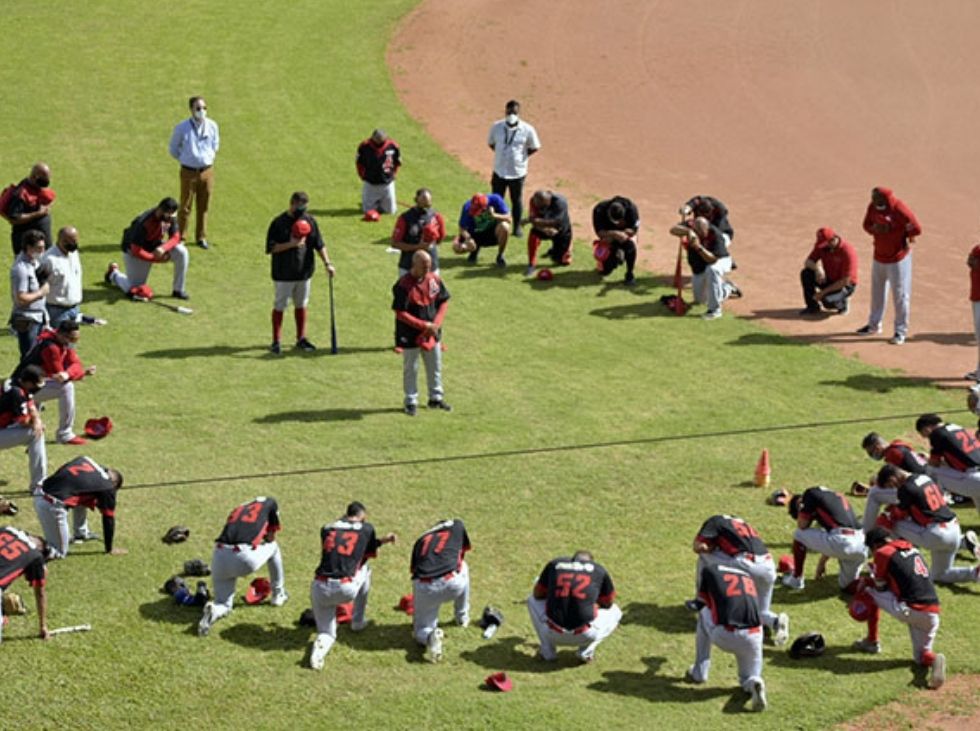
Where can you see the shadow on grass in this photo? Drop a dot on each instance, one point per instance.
(673, 619)
(880, 384)
(211, 351)
(381, 638)
(165, 609)
(651, 308)
(323, 415)
(815, 590)
(846, 661)
(659, 688)
(267, 637)
(505, 655)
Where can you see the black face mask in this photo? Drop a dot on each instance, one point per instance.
(42, 182)
(300, 210)
(71, 247)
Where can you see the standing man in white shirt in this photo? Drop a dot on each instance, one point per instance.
(62, 269)
(513, 141)
(194, 145)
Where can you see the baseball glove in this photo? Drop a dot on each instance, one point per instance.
(306, 619)
(811, 644)
(778, 497)
(176, 534)
(173, 584)
(13, 603)
(491, 616)
(7, 507)
(859, 489)
(196, 567)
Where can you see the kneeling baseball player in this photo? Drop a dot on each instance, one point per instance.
(572, 604)
(343, 576)
(22, 553)
(900, 585)
(729, 618)
(153, 237)
(439, 575)
(247, 542)
(80, 485)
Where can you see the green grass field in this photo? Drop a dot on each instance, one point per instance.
(585, 416)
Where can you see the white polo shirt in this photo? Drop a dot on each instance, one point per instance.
(65, 278)
(511, 146)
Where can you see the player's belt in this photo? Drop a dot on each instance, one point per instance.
(445, 577)
(845, 531)
(48, 499)
(237, 547)
(750, 630)
(341, 580)
(558, 628)
(195, 170)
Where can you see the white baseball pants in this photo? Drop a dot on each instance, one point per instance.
(37, 455)
(844, 544)
(962, 483)
(229, 563)
(877, 497)
(326, 594)
(65, 393)
(898, 276)
(605, 622)
(433, 373)
(53, 518)
(380, 198)
(298, 291)
(138, 271)
(942, 540)
(710, 286)
(428, 596)
(923, 626)
(744, 644)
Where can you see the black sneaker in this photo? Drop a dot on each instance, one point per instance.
(471, 259)
(439, 404)
(305, 345)
(630, 280)
(501, 261)
(177, 294)
(411, 409)
(203, 243)
(275, 348)
(735, 292)
(518, 232)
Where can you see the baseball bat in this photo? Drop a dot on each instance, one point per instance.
(333, 322)
(179, 309)
(69, 630)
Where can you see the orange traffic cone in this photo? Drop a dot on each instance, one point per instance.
(762, 470)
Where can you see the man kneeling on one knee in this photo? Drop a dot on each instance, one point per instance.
(829, 274)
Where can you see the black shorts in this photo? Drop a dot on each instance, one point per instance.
(486, 238)
(559, 243)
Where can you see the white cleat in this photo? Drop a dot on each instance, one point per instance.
(321, 646)
(207, 619)
(782, 630)
(793, 582)
(759, 702)
(937, 673)
(279, 598)
(434, 645)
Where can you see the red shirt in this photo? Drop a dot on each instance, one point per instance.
(975, 274)
(892, 245)
(837, 263)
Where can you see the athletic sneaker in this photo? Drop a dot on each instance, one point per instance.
(76, 441)
(439, 404)
(629, 280)
(971, 544)
(711, 315)
(531, 269)
(897, 339)
(321, 646)
(275, 348)
(305, 345)
(868, 330)
(782, 630)
(690, 677)
(793, 582)
(207, 619)
(434, 645)
(518, 232)
(867, 646)
(279, 598)
(973, 375)
(844, 307)
(692, 605)
(471, 259)
(411, 409)
(179, 295)
(87, 535)
(501, 261)
(758, 693)
(113, 268)
(463, 621)
(734, 291)
(937, 672)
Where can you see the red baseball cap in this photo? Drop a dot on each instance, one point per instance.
(499, 682)
(258, 591)
(407, 604)
(546, 275)
(600, 250)
(345, 613)
(478, 204)
(301, 228)
(98, 428)
(861, 606)
(825, 234)
(786, 564)
(372, 216)
(46, 196)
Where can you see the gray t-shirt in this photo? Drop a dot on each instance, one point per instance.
(23, 278)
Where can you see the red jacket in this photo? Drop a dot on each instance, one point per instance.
(891, 245)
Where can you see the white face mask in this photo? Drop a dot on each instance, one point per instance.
(511, 119)
(200, 114)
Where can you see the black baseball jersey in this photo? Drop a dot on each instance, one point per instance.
(147, 232)
(417, 224)
(902, 455)
(18, 556)
(718, 215)
(421, 300)
(713, 242)
(251, 523)
(346, 546)
(731, 535)
(902, 569)
(15, 404)
(923, 500)
(730, 594)
(25, 198)
(956, 445)
(556, 211)
(292, 265)
(830, 509)
(83, 482)
(573, 590)
(600, 215)
(378, 164)
(440, 550)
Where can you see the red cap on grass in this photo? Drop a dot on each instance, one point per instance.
(258, 591)
(407, 604)
(301, 228)
(786, 564)
(499, 682)
(98, 428)
(546, 275)
(372, 216)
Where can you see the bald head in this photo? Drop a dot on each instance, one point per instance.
(68, 238)
(41, 175)
(701, 226)
(541, 199)
(421, 264)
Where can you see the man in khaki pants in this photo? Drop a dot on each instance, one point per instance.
(194, 144)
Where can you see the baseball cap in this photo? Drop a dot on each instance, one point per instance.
(825, 234)
(371, 215)
(861, 606)
(499, 682)
(98, 428)
(478, 204)
(301, 228)
(46, 196)
(546, 275)
(258, 590)
(407, 604)
(786, 564)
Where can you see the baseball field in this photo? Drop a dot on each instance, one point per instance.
(585, 415)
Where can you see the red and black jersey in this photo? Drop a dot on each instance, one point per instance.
(714, 210)
(902, 455)
(346, 545)
(52, 357)
(147, 232)
(251, 523)
(830, 509)
(732, 536)
(26, 198)
(440, 550)
(574, 588)
(902, 569)
(730, 594)
(415, 226)
(957, 446)
(84, 483)
(416, 302)
(293, 265)
(18, 556)
(714, 242)
(15, 405)
(378, 164)
(923, 500)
